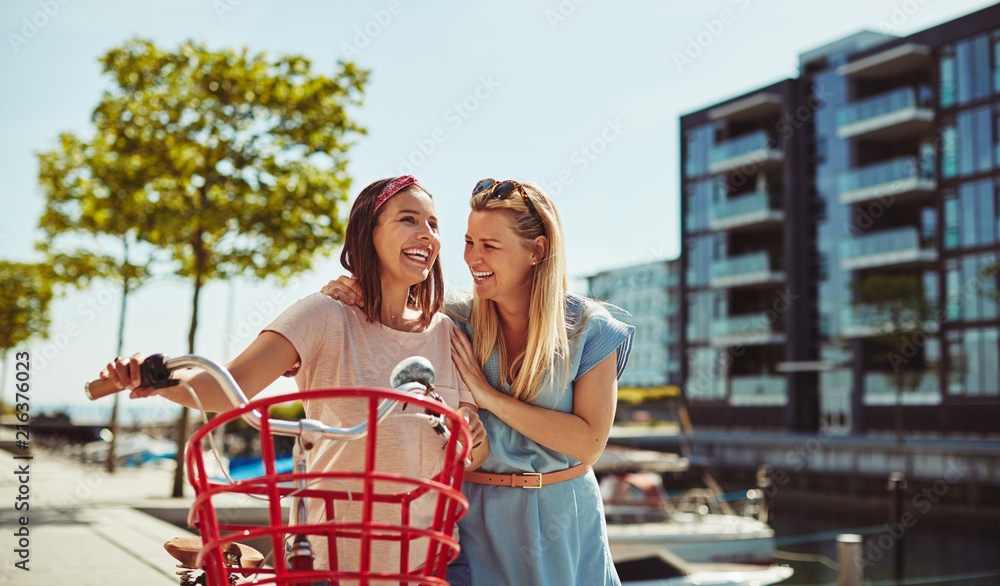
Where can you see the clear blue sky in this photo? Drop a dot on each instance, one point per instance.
(521, 89)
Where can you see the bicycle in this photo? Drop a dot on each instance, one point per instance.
(216, 557)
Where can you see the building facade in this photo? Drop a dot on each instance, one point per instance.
(878, 166)
(648, 296)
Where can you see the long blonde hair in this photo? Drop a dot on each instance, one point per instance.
(547, 339)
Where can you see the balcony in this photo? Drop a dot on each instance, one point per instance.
(899, 113)
(891, 62)
(897, 247)
(745, 211)
(907, 177)
(748, 269)
(744, 330)
(880, 389)
(758, 390)
(755, 107)
(756, 149)
(860, 322)
(864, 321)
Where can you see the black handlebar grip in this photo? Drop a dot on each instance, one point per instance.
(153, 373)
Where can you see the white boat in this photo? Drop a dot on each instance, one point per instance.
(666, 569)
(697, 527)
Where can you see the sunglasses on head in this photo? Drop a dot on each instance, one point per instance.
(503, 190)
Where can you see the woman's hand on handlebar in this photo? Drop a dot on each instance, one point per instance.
(344, 289)
(124, 373)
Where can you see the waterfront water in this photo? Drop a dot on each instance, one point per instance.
(152, 410)
(933, 550)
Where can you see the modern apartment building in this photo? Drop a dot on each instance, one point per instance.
(649, 297)
(881, 160)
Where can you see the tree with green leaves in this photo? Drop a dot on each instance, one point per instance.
(88, 203)
(25, 294)
(236, 162)
(896, 309)
(989, 281)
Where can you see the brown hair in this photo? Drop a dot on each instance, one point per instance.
(361, 259)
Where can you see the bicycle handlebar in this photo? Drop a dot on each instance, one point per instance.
(411, 374)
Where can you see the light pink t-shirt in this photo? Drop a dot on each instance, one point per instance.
(337, 347)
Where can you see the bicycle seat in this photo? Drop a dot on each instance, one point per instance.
(185, 550)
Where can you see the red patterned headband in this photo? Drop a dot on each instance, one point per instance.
(392, 188)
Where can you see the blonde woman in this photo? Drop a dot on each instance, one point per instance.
(543, 366)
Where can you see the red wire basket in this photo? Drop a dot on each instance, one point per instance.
(388, 490)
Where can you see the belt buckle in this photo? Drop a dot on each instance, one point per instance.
(537, 475)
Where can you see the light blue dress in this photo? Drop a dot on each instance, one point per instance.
(555, 535)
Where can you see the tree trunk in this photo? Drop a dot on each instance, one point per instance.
(113, 425)
(899, 411)
(182, 419)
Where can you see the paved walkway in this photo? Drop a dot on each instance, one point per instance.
(85, 526)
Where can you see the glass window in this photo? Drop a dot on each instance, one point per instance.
(947, 74)
(953, 310)
(973, 357)
(980, 67)
(996, 138)
(987, 287)
(963, 72)
(950, 220)
(931, 287)
(949, 158)
(967, 205)
(719, 305)
(991, 367)
(957, 364)
(699, 316)
(699, 195)
(973, 342)
(972, 71)
(983, 145)
(699, 260)
(698, 141)
(706, 375)
(996, 66)
(719, 246)
(975, 144)
(928, 227)
(985, 212)
(970, 272)
(966, 140)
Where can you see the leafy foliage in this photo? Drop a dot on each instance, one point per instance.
(222, 162)
(896, 307)
(231, 163)
(24, 301)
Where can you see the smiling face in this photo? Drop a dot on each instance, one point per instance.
(406, 237)
(499, 259)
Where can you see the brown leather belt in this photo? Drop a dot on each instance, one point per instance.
(526, 479)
